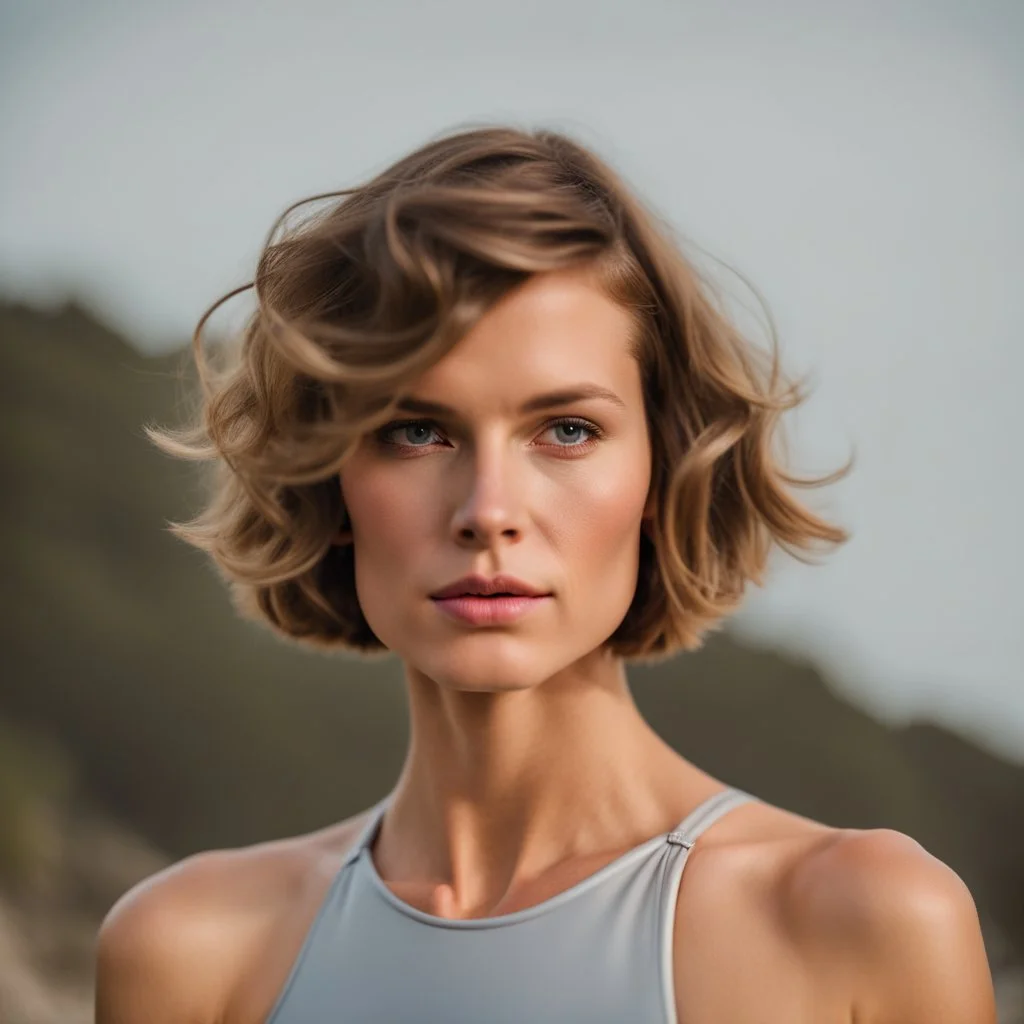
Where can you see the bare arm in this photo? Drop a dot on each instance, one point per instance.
(911, 933)
(161, 950)
(928, 963)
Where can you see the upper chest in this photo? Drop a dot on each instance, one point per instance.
(730, 950)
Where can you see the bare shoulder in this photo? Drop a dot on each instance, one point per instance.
(899, 923)
(733, 951)
(180, 945)
(824, 924)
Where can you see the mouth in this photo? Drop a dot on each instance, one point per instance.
(477, 585)
(489, 610)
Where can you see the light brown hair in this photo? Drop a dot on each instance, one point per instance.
(367, 294)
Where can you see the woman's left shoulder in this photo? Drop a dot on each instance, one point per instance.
(901, 922)
(876, 883)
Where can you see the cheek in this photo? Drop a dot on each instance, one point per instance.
(390, 538)
(394, 538)
(380, 503)
(395, 562)
(602, 515)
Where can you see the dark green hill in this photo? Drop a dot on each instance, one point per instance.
(200, 730)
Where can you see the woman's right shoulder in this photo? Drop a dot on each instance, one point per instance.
(178, 944)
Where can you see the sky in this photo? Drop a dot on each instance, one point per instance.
(861, 165)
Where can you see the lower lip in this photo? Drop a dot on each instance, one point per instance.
(488, 611)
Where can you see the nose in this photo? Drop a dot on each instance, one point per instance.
(493, 508)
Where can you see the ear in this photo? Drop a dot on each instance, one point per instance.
(650, 511)
(343, 535)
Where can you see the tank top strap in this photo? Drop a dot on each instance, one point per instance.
(368, 831)
(706, 814)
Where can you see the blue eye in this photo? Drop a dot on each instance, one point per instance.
(424, 428)
(410, 426)
(575, 426)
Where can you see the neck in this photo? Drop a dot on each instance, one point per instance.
(496, 787)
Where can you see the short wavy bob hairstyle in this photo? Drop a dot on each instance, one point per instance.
(362, 297)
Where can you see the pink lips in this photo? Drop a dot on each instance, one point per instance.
(489, 611)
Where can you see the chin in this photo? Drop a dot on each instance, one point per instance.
(487, 664)
(464, 685)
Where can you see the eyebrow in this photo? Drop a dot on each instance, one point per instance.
(564, 396)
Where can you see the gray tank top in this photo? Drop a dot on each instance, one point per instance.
(600, 951)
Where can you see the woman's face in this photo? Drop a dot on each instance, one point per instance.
(554, 496)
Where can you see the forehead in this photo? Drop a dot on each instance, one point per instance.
(558, 327)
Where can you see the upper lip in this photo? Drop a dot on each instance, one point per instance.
(477, 584)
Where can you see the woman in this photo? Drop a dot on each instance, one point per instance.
(487, 416)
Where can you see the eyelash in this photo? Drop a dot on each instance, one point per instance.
(575, 421)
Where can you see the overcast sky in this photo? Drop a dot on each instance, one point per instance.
(860, 163)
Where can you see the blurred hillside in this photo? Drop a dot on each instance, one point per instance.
(63, 863)
(142, 710)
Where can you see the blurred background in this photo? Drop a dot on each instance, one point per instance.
(859, 164)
